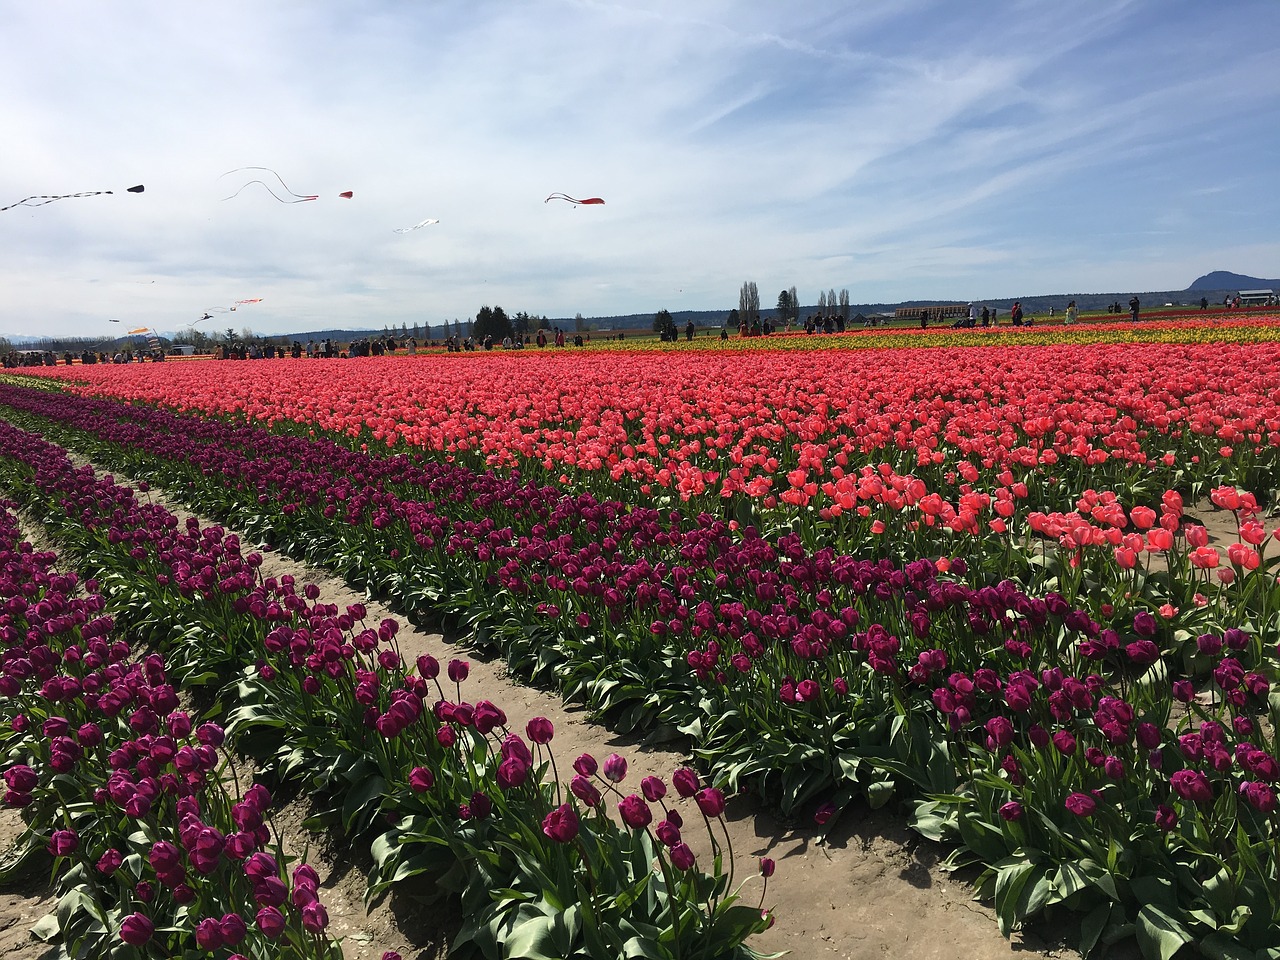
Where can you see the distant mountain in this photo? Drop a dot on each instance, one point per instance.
(1225, 280)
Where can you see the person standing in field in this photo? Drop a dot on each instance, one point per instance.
(1134, 305)
(1072, 313)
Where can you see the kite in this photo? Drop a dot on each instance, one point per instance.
(42, 200)
(297, 197)
(113, 320)
(209, 311)
(569, 199)
(416, 226)
(140, 330)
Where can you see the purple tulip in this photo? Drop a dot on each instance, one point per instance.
(421, 779)
(561, 824)
(585, 790)
(136, 929)
(682, 857)
(668, 832)
(710, 801)
(685, 780)
(208, 934)
(314, 917)
(1191, 785)
(635, 812)
(271, 922)
(63, 843)
(21, 778)
(1081, 804)
(615, 768)
(511, 773)
(233, 929)
(653, 789)
(487, 717)
(540, 730)
(261, 865)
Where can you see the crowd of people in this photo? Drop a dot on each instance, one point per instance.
(823, 323)
(15, 359)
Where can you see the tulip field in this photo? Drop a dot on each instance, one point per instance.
(1020, 586)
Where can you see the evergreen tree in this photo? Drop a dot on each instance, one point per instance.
(492, 323)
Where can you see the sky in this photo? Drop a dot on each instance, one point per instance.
(919, 149)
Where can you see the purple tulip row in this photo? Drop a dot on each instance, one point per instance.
(103, 755)
(320, 670)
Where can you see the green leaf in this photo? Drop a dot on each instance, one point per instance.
(1012, 875)
(1153, 889)
(879, 793)
(1220, 891)
(638, 948)
(1239, 917)
(360, 797)
(1091, 928)
(1159, 935)
(1074, 877)
(532, 939)
(46, 928)
(1219, 946)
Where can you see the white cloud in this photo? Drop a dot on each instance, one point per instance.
(914, 149)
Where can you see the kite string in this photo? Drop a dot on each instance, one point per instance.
(267, 187)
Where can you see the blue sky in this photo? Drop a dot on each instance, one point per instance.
(901, 150)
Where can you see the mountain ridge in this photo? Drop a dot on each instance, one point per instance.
(1226, 280)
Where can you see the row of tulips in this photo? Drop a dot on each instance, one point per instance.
(155, 849)
(321, 696)
(1076, 761)
(1166, 327)
(782, 430)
